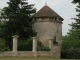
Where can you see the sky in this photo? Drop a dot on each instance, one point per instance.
(62, 7)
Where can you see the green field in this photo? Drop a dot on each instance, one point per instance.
(24, 58)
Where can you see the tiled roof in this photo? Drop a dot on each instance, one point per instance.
(46, 11)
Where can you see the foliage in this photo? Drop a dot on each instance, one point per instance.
(76, 1)
(34, 34)
(25, 45)
(70, 40)
(2, 45)
(18, 16)
(76, 25)
(71, 53)
(70, 47)
(41, 47)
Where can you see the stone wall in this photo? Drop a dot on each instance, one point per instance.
(6, 53)
(44, 53)
(25, 54)
(19, 54)
(55, 53)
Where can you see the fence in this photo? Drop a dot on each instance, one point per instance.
(54, 50)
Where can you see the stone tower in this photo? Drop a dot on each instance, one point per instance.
(47, 24)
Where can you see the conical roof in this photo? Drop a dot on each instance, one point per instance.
(46, 11)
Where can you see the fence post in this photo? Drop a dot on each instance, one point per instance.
(34, 46)
(15, 39)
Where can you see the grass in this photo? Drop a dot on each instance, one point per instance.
(32, 58)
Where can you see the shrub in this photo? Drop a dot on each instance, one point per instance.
(2, 45)
(41, 47)
(72, 53)
(70, 48)
(25, 45)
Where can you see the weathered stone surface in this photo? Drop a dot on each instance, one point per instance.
(44, 53)
(56, 51)
(25, 54)
(34, 46)
(46, 30)
(15, 38)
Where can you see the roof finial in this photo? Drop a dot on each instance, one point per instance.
(45, 3)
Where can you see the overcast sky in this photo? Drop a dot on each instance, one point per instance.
(63, 7)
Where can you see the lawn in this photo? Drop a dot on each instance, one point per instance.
(32, 58)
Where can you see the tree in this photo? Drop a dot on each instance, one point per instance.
(18, 17)
(76, 25)
(76, 1)
(70, 46)
(2, 21)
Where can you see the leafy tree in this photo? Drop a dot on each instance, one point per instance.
(70, 46)
(18, 17)
(2, 21)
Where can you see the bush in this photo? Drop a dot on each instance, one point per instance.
(41, 47)
(44, 48)
(25, 45)
(2, 45)
(70, 48)
(72, 53)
